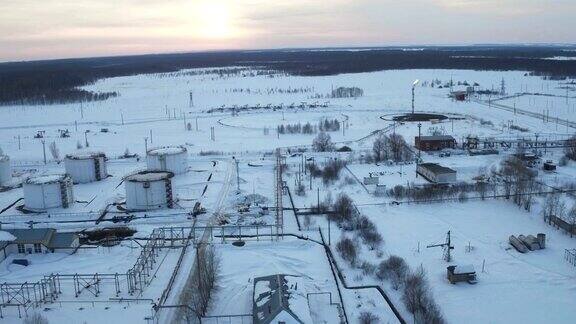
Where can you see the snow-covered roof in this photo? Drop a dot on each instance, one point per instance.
(45, 179)
(463, 269)
(147, 176)
(167, 150)
(279, 295)
(6, 237)
(4, 158)
(84, 155)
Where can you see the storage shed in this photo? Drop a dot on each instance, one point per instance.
(434, 143)
(168, 158)
(147, 190)
(436, 173)
(48, 191)
(5, 171)
(86, 167)
(38, 240)
(461, 273)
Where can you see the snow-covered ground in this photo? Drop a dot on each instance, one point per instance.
(155, 110)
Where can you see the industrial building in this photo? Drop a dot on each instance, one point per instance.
(86, 167)
(434, 143)
(436, 173)
(48, 191)
(148, 190)
(37, 240)
(5, 171)
(168, 158)
(271, 302)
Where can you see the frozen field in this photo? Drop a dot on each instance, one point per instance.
(154, 110)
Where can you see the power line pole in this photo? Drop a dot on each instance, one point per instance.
(44, 150)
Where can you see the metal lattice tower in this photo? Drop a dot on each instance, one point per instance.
(278, 195)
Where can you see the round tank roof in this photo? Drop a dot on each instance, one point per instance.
(166, 150)
(147, 176)
(46, 179)
(85, 155)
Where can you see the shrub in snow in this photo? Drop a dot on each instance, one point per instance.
(348, 250)
(367, 268)
(394, 269)
(419, 301)
(368, 318)
(343, 209)
(35, 318)
(368, 232)
(332, 170)
(301, 190)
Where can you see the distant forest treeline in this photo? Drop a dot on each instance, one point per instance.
(57, 81)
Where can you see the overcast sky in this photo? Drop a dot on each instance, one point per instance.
(42, 29)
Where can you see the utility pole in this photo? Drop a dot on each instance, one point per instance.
(44, 150)
(151, 141)
(447, 246)
(237, 174)
(413, 89)
(86, 138)
(19, 143)
(146, 144)
(419, 144)
(191, 103)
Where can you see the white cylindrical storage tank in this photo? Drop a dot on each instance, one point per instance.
(168, 158)
(147, 190)
(86, 167)
(5, 171)
(48, 191)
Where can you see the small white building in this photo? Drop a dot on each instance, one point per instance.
(86, 167)
(48, 191)
(168, 158)
(36, 240)
(147, 190)
(436, 173)
(5, 171)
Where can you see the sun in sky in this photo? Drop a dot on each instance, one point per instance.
(214, 19)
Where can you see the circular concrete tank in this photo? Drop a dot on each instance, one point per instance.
(148, 190)
(167, 158)
(48, 191)
(5, 171)
(86, 167)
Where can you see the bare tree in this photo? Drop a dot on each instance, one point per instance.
(570, 149)
(348, 250)
(381, 148)
(343, 209)
(54, 151)
(553, 206)
(395, 269)
(322, 143)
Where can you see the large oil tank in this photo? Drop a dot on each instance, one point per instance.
(148, 190)
(168, 158)
(86, 167)
(48, 191)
